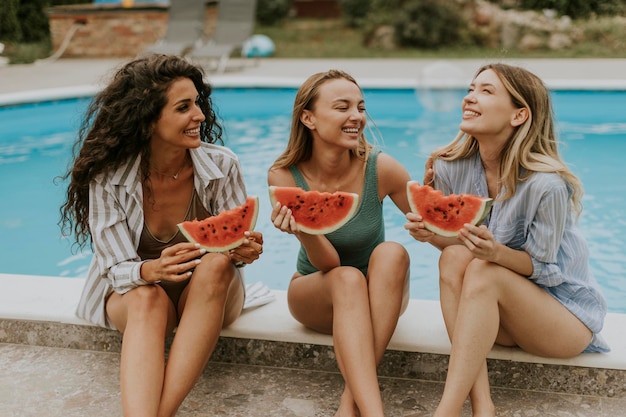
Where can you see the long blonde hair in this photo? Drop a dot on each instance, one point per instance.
(532, 146)
(300, 145)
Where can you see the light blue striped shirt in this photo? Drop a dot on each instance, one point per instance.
(538, 220)
(116, 220)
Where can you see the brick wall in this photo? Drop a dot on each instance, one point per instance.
(109, 30)
(320, 9)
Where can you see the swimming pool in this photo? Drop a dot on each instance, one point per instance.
(37, 138)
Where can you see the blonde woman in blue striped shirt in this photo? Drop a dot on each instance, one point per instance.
(149, 157)
(522, 278)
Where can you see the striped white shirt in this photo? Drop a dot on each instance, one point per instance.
(116, 220)
(538, 220)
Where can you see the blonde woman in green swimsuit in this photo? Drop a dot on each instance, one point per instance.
(349, 283)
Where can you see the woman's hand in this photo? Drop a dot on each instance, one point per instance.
(479, 240)
(175, 263)
(250, 250)
(283, 220)
(417, 229)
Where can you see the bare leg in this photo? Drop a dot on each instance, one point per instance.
(388, 290)
(361, 314)
(498, 305)
(452, 265)
(144, 315)
(337, 302)
(213, 298)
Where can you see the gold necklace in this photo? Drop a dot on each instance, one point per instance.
(175, 176)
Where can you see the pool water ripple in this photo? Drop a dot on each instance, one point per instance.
(36, 144)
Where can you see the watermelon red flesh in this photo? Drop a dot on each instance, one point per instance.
(446, 215)
(224, 231)
(316, 213)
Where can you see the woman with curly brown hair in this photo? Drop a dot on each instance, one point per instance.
(149, 156)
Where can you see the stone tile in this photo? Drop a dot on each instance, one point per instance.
(54, 382)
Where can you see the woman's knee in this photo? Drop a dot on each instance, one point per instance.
(391, 252)
(453, 263)
(390, 262)
(148, 297)
(347, 281)
(215, 273)
(481, 276)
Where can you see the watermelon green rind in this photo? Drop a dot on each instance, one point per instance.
(427, 202)
(336, 215)
(229, 238)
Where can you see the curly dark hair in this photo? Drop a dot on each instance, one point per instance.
(117, 127)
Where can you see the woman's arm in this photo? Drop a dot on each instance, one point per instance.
(392, 180)
(480, 241)
(114, 248)
(546, 229)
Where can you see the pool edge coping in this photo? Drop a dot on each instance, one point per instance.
(54, 299)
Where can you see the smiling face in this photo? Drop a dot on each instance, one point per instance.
(488, 111)
(338, 115)
(179, 123)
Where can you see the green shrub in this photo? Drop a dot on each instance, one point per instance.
(607, 33)
(9, 23)
(354, 11)
(428, 24)
(270, 12)
(33, 14)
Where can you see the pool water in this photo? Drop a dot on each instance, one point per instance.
(36, 142)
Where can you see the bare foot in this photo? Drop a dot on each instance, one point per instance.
(347, 407)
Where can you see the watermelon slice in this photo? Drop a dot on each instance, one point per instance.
(316, 213)
(224, 231)
(446, 215)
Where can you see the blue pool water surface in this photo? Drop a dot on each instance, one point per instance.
(36, 142)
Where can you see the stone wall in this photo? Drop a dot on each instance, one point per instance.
(109, 30)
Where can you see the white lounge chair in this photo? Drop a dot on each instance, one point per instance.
(235, 24)
(185, 25)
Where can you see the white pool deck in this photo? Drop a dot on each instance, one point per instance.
(421, 328)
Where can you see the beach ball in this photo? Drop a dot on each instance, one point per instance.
(258, 46)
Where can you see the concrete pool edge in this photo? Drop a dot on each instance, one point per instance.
(39, 310)
(230, 81)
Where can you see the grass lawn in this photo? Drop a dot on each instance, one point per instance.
(310, 38)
